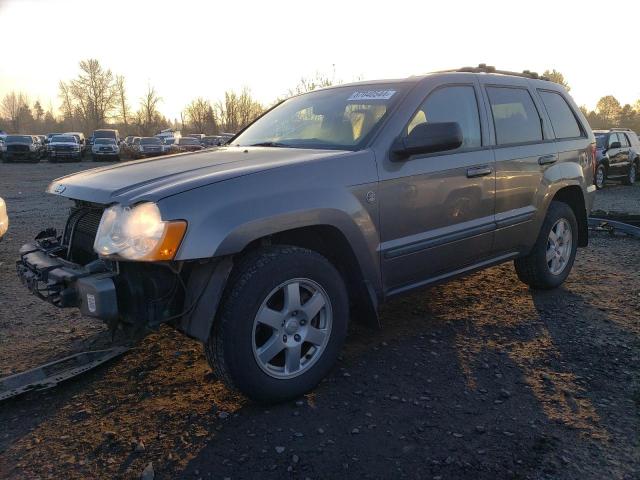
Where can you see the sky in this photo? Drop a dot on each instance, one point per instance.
(187, 49)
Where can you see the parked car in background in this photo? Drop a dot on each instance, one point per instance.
(186, 144)
(21, 148)
(82, 141)
(106, 133)
(618, 154)
(64, 147)
(211, 141)
(262, 249)
(105, 148)
(4, 218)
(226, 137)
(148, 147)
(128, 139)
(198, 136)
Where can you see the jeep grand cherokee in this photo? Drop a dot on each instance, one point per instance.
(331, 203)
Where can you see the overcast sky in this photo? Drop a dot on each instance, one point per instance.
(187, 49)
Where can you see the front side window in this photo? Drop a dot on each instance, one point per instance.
(515, 116)
(563, 120)
(456, 103)
(337, 118)
(613, 138)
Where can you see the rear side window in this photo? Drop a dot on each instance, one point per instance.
(515, 116)
(563, 120)
(624, 141)
(455, 103)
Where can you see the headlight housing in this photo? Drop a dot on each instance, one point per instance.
(138, 233)
(4, 218)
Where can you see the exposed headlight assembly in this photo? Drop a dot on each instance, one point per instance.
(138, 233)
(4, 218)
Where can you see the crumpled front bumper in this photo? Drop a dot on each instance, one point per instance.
(43, 269)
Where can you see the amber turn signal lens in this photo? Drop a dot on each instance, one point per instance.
(168, 246)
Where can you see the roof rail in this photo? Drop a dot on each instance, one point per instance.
(484, 68)
(621, 129)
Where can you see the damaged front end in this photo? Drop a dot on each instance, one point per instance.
(66, 272)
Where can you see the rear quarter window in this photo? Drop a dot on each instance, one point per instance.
(515, 116)
(563, 120)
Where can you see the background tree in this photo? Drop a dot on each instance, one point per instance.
(148, 117)
(15, 109)
(609, 109)
(308, 84)
(124, 111)
(557, 77)
(92, 95)
(200, 116)
(237, 110)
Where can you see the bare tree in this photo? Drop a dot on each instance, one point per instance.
(124, 110)
(148, 117)
(93, 94)
(15, 108)
(308, 84)
(200, 116)
(238, 110)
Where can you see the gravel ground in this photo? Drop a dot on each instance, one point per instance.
(478, 378)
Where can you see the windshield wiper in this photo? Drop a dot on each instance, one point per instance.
(270, 144)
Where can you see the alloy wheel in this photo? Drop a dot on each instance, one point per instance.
(292, 328)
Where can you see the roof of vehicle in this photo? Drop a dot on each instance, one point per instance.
(481, 68)
(615, 129)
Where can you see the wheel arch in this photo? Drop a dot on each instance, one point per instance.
(573, 196)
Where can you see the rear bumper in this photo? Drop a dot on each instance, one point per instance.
(45, 272)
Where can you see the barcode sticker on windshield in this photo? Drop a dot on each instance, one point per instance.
(371, 95)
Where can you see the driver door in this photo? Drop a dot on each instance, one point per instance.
(437, 210)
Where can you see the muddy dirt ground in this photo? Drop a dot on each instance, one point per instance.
(479, 378)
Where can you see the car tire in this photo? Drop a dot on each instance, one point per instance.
(600, 177)
(549, 263)
(632, 174)
(235, 348)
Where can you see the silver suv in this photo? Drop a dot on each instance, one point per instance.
(325, 207)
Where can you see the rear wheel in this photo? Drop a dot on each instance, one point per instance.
(632, 173)
(281, 327)
(601, 176)
(550, 261)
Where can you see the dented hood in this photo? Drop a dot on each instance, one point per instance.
(155, 178)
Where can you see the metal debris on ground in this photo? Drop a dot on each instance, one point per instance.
(50, 374)
(608, 224)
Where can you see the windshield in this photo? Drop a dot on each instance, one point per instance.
(105, 141)
(19, 139)
(63, 139)
(150, 141)
(104, 134)
(337, 118)
(601, 140)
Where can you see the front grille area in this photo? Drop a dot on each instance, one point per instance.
(17, 148)
(80, 233)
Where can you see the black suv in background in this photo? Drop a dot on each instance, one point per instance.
(22, 147)
(618, 154)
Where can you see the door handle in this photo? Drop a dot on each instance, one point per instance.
(546, 159)
(479, 171)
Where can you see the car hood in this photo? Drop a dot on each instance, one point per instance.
(160, 177)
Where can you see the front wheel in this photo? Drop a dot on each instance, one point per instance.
(632, 173)
(601, 176)
(549, 262)
(282, 324)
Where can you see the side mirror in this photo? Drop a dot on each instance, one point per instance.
(428, 138)
(615, 145)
